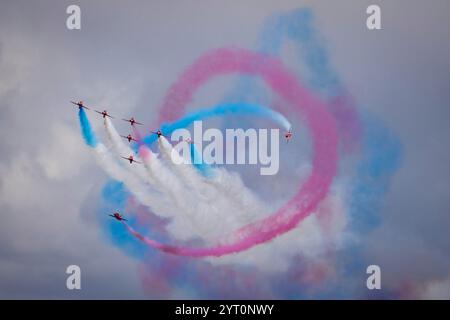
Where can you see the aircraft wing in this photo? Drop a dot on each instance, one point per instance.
(82, 106)
(155, 132)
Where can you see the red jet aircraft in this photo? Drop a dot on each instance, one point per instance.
(129, 138)
(158, 133)
(288, 135)
(104, 113)
(131, 159)
(118, 216)
(132, 121)
(80, 104)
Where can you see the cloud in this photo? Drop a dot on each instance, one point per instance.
(64, 141)
(438, 289)
(124, 59)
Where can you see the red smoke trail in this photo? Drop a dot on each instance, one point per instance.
(310, 108)
(137, 134)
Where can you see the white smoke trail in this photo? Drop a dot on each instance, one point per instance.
(213, 211)
(199, 207)
(155, 175)
(227, 184)
(156, 201)
(124, 150)
(312, 240)
(207, 214)
(184, 226)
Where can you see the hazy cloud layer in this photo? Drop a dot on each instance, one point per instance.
(125, 57)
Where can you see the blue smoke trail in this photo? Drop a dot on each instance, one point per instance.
(381, 150)
(115, 195)
(298, 26)
(381, 158)
(115, 198)
(197, 162)
(221, 110)
(86, 129)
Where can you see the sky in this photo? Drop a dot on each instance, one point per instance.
(126, 56)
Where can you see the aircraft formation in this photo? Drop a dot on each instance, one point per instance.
(132, 121)
(80, 104)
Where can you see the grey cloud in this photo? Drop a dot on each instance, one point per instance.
(126, 56)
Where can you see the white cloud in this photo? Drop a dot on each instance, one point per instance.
(63, 155)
